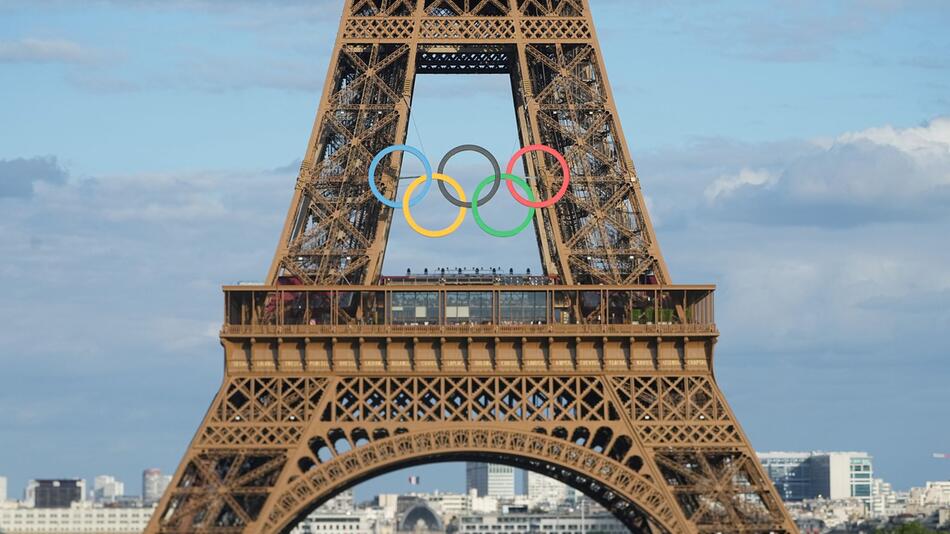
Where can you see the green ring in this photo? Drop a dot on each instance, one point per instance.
(502, 233)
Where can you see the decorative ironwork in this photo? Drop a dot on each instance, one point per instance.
(479, 399)
(600, 234)
(633, 497)
(598, 373)
(220, 491)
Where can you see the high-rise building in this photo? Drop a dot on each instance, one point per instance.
(106, 488)
(791, 472)
(153, 485)
(3, 489)
(844, 474)
(55, 493)
(809, 475)
(491, 480)
(543, 491)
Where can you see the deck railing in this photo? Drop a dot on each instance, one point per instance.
(467, 310)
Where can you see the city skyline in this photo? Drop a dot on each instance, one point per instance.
(824, 496)
(489, 479)
(144, 175)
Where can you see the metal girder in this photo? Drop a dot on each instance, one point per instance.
(336, 231)
(656, 444)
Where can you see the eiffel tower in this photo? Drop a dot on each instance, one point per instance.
(598, 373)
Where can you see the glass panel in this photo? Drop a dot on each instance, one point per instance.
(265, 307)
(318, 306)
(523, 307)
(468, 307)
(695, 307)
(565, 307)
(295, 307)
(669, 300)
(374, 307)
(347, 305)
(642, 310)
(590, 307)
(618, 307)
(415, 307)
(239, 307)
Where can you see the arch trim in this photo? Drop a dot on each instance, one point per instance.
(618, 484)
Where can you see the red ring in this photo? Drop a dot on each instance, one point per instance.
(544, 203)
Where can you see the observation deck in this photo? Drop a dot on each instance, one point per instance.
(468, 325)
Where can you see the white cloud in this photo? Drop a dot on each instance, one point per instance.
(879, 167)
(130, 264)
(726, 185)
(275, 40)
(19, 177)
(855, 178)
(831, 247)
(32, 50)
(931, 140)
(189, 209)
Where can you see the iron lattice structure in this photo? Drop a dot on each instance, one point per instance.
(336, 231)
(599, 374)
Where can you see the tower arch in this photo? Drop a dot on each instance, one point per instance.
(632, 497)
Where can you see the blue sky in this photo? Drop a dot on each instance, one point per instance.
(796, 153)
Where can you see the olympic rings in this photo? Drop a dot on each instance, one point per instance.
(409, 200)
(470, 148)
(406, 204)
(379, 157)
(503, 233)
(564, 168)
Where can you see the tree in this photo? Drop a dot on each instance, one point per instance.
(909, 528)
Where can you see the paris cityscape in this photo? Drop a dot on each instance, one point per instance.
(825, 492)
(683, 270)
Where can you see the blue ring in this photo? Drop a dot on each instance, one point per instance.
(425, 164)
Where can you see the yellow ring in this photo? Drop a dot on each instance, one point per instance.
(425, 231)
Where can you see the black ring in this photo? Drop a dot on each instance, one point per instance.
(469, 148)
